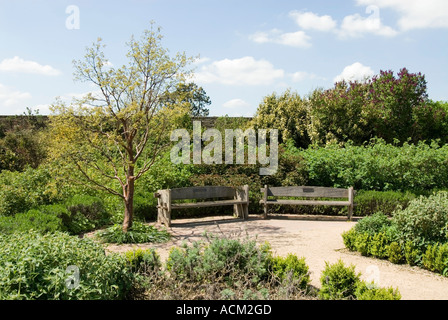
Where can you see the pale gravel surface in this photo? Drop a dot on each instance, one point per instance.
(316, 240)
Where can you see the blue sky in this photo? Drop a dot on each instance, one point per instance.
(248, 49)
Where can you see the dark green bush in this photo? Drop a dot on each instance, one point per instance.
(373, 224)
(30, 220)
(370, 202)
(378, 166)
(35, 266)
(338, 281)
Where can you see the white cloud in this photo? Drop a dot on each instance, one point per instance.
(415, 14)
(236, 103)
(309, 20)
(11, 98)
(355, 72)
(357, 26)
(297, 39)
(17, 64)
(302, 76)
(243, 71)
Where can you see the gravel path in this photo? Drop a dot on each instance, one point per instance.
(316, 240)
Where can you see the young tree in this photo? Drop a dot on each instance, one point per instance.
(116, 133)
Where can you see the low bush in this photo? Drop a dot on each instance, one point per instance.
(370, 202)
(143, 261)
(436, 258)
(365, 291)
(424, 221)
(138, 233)
(30, 220)
(338, 281)
(35, 266)
(373, 224)
(225, 260)
(291, 268)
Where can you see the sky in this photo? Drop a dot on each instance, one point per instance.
(245, 50)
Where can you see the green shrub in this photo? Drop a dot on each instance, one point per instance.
(85, 213)
(222, 260)
(338, 281)
(143, 260)
(411, 254)
(370, 202)
(366, 291)
(378, 166)
(292, 269)
(424, 221)
(349, 239)
(395, 253)
(30, 220)
(373, 224)
(138, 233)
(379, 246)
(362, 243)
(35, 266)
(436, 258)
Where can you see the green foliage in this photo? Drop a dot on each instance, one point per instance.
(370, 202)
(365, 291)
(22, 142)
(424, 221)
(35, 266)
(30, 220)
(379, 246)
(22, 191)
(291, 268)
(395, 253)
(378, 166)
(223, 259)
(349, 239)
(411, 253)
(143, 260)
(372, 224)
(436, 258)
(288, 113)
(138, 233)
(362, 243)
(386, 106)
(338, 281)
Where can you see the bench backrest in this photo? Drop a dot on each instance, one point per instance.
(305, 191)
(207, 192)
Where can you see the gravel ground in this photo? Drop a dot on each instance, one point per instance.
(318, 239)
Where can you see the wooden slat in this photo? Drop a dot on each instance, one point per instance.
(207, 204)
(308, 202)
(304, 191)
(206, 192)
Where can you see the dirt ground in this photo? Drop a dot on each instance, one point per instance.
(318, 239)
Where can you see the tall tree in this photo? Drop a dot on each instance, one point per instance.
(193, 95)
(113, 136)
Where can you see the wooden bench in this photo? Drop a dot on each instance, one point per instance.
(237, 197)
(308, 192)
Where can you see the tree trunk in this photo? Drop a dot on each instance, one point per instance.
(129, 204)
